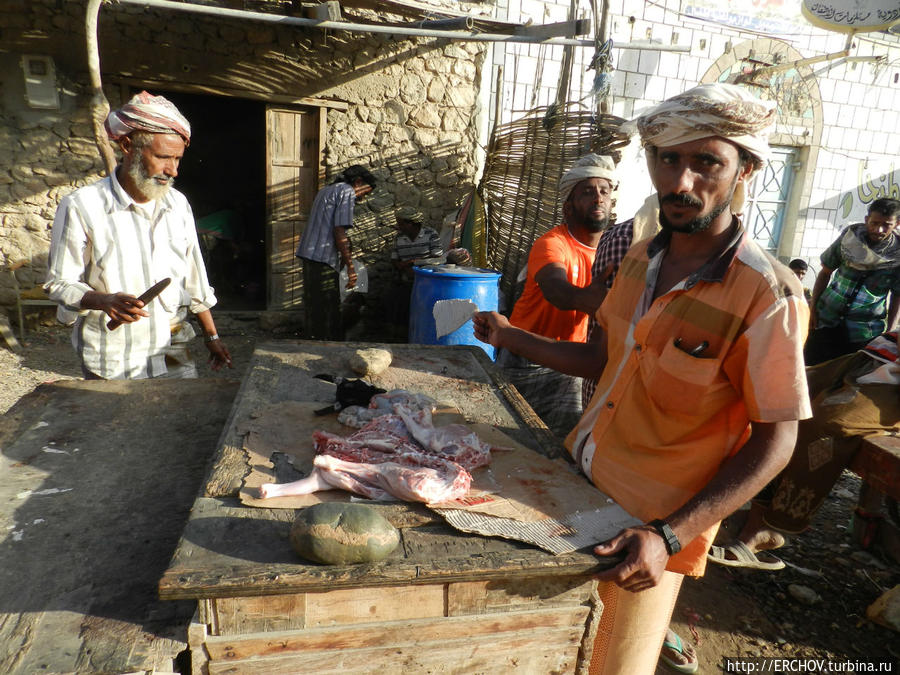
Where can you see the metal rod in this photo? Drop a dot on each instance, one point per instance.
(389, 30)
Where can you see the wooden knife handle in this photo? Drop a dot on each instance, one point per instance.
(144, 297)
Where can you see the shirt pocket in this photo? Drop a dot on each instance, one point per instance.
(174, 296)
(678, 382)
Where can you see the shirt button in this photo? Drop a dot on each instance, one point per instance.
(610, 404)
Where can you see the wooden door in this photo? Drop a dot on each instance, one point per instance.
(294, 173)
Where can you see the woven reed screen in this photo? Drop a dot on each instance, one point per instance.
(526, 158)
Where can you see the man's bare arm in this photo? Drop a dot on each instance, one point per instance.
(581, 359)
(554, 284)
(738, 480)
(343, 246)
(894, 311)
(219, 355)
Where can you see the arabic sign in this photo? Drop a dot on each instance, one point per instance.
(852, 16)
(766, 16)
(874, 180)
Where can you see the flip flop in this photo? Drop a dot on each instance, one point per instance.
(743, 557)
(678, 646)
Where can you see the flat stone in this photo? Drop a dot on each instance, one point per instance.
(886, 609)
(803, 594)
(370, 362)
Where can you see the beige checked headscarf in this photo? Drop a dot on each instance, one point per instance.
(725, 110)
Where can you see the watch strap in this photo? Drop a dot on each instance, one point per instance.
(662, 528)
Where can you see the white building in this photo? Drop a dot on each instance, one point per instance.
(838, 136)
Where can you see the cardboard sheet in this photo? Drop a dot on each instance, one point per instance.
(578, 530)
(285, 427)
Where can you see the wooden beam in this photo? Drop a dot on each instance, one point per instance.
(266, 97)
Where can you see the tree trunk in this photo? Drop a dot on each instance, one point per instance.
(99, 104)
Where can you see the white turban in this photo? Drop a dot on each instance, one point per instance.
(145, 112)
(589, 166)
(719, 109)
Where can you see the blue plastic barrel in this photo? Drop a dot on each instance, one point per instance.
(450, 282)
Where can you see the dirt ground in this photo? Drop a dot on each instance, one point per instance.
(727, 613)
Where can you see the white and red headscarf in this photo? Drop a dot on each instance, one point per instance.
(145, 112)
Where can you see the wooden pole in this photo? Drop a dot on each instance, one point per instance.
(99, 104)
(602, 25)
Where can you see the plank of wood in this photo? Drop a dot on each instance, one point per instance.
(559, 29)
(396, 634)
(196, 639)
(460, 377)
(241, 552)
(390, 603)
(232, 551)
(484, 597)
(527, 652)
(235, 616)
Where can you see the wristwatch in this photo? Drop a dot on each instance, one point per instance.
(211, 338)
(662, 528)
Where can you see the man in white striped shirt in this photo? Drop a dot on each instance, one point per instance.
(116, 238)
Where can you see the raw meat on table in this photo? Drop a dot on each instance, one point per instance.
(394, 456)
(400, 477)
(383, 404)
(454, 441)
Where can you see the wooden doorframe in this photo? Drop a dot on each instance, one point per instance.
(295, 171)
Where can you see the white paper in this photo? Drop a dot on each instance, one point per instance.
(450, 315)
(362, 279)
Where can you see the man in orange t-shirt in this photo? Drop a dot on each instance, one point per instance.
(559, 292)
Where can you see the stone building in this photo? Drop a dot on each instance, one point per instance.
(416, 110)
(255, 92)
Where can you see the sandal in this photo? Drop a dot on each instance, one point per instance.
(678, 646)
(742, 556)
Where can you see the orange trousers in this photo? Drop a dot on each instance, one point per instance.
(632, 627)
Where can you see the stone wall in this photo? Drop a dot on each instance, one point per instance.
(410, 107)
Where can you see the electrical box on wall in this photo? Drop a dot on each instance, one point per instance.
(40, 82)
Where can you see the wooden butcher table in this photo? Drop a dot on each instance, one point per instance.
(443, 602)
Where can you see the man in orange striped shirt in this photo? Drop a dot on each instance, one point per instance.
(702, 343)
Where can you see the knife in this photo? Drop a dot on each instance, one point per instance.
(144, 297)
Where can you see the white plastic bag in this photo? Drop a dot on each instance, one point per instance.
(362, 279)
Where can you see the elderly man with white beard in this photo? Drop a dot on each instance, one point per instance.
(116, 238)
